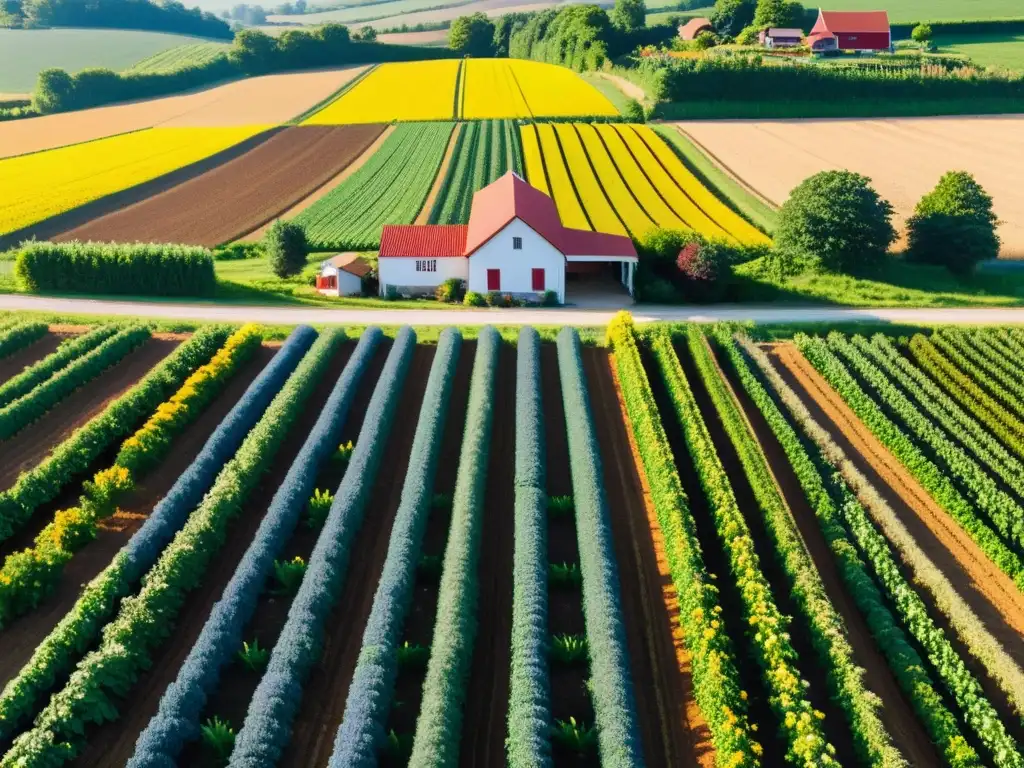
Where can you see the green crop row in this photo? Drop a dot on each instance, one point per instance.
(833, 503)
(827, 630)
(992, 349)
(20, 335)
(962, 353)
(144, 621)
(439, 725)
(389, 189)
(716, 679)
(458, 168)
(485, 151)
(799, 721)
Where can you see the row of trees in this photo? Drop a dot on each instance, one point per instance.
(163, 16)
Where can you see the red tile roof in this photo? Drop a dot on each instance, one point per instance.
(694, 27)
(580, 242)
(432, 241)
(847, 22)
(352, 263)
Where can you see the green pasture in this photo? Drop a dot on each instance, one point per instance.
(902, 11)
(989, 50)
(180, 57)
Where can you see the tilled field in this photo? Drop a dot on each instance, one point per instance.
(238, 196)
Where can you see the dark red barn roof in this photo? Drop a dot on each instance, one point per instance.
(428, 241)
(853, 22)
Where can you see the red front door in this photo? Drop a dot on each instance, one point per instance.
(538, 280)
(493, 279)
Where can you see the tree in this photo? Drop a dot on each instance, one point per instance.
(472, 35)
(633, 111)
(731, 16)
(922, 33)
(705, 40)
(628, 16)
(777, 13)
(365, 34)
(54, 91)
(286, 248)
(835, 220)
(254, 52)
(954, 225)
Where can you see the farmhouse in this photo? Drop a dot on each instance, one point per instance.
(514, 244)
(694, 27)
(342, 275)
(776, 37)
(851, 31)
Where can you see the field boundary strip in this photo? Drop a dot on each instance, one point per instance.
(716, 160)
(459, 107)
(324, 103)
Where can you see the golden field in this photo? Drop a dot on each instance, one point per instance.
(37, 186)
(553, 91)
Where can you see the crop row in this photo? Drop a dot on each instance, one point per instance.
(611, 681)
(827, 631)
(610, 207)
(390, 188)
(145, 620)
(20, 335)
(560, 184)
(177, 720)
(529, 708)
(1005, 387)
(835, 503)
(69, 351)
(268, 722)
(359, 737)
(990, 349)
(78, 630)
(483, 153)
(439, 725)
(30, 575)
(716, 679)
(800, 722)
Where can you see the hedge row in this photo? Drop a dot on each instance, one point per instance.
(1005, 387)
(140, 269)
(67, 352)
(19, 414)
(105, 676)
(177, 721)
(716, 680)
(78, 630)
(439, 726)
(529, 708)
(923, 469)
(362, 731)
(799, 721)
(611, 684)
(30, 575)
(844, 676)
(268, 722)
(834, 502)
(18, 336)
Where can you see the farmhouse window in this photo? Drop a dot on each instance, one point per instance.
(538, 280)
(493, 279)
(517, 243)
(426, 265)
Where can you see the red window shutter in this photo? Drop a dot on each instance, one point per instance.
(493, 279)
(538, 280)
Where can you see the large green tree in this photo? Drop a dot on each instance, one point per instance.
(254, 52)
(778, 13)
(629, 16)
(954, 225)
(472, 35)
(729, 17)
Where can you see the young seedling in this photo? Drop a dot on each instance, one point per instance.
(318, 507)
(342, 456)
(218, 739)
(253, 657)
(561, 506)
(578, 738)
(289, 575)
(413, 656)
(569, 650)
(564, 575)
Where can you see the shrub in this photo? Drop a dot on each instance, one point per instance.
(218, 738)
(922, 33)
(142, 269)
(239, 252)
(549, 299)
(253, 657)
(286, 248)
(289, 575)
(633, 111)
(493, 299)
(473, 299)
(702, 266)
(835, 221)
(953, 225)
(451, 291)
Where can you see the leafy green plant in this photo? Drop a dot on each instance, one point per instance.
(569, 650)
(413, 656)
(564, 575)
(218, 738)
(578, 738)
(317, 507)
(289, 575)
(253, 657)
(398, 747)
(561, 506)
(342, 456)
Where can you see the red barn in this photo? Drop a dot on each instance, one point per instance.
(853, 30)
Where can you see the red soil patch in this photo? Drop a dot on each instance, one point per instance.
(673, 730)
(239, 195)
(15, 363)
(323, 700)
(32, 444)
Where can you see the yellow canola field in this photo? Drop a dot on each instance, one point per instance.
(491, 91)
(633, 216)
(406, 91)
(533, 160)
(40, 185)
(553, 91)
(569, 209)
(587, 186)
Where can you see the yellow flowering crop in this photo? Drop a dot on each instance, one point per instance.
(553, 91)
(599, 210)
(491, 91)
(533, 160)
(569, 209)
(626, 206)
(37, 186)
(406, 91)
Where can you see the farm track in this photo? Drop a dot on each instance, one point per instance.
(15, 363)
(908, 734)
(673, 730)
(113, 743)
(237, 196)
(559, 477)
(323, 700)
(486, 706)
(19, 640)
(32, 444)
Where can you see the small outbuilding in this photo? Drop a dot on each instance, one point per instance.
(342, 275)
(777, 37)
(694, 27)
(851, 31)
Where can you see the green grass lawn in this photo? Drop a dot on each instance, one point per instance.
(660, 16)
(180, 57)
(26, 52)
(902, 11)
(1006, 51)
(607, 89)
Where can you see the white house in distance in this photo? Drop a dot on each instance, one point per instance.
(514, 243)
(342, 275)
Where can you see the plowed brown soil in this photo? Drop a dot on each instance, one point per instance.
(19, 639)
(237, 196)
(908, 734)
(424, 214)
(14, 364)
(31, 445)
(323, 700)
(113, 743)
(989, 592)
(673, 730)
(486, 706)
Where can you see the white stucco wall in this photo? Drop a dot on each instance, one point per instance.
(401, 272)
(348, 284)
(517, 266)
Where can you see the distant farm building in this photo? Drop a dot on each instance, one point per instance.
(514, 244)
(851, 31)
(776, 37)
(694, 27)
(342, 275)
